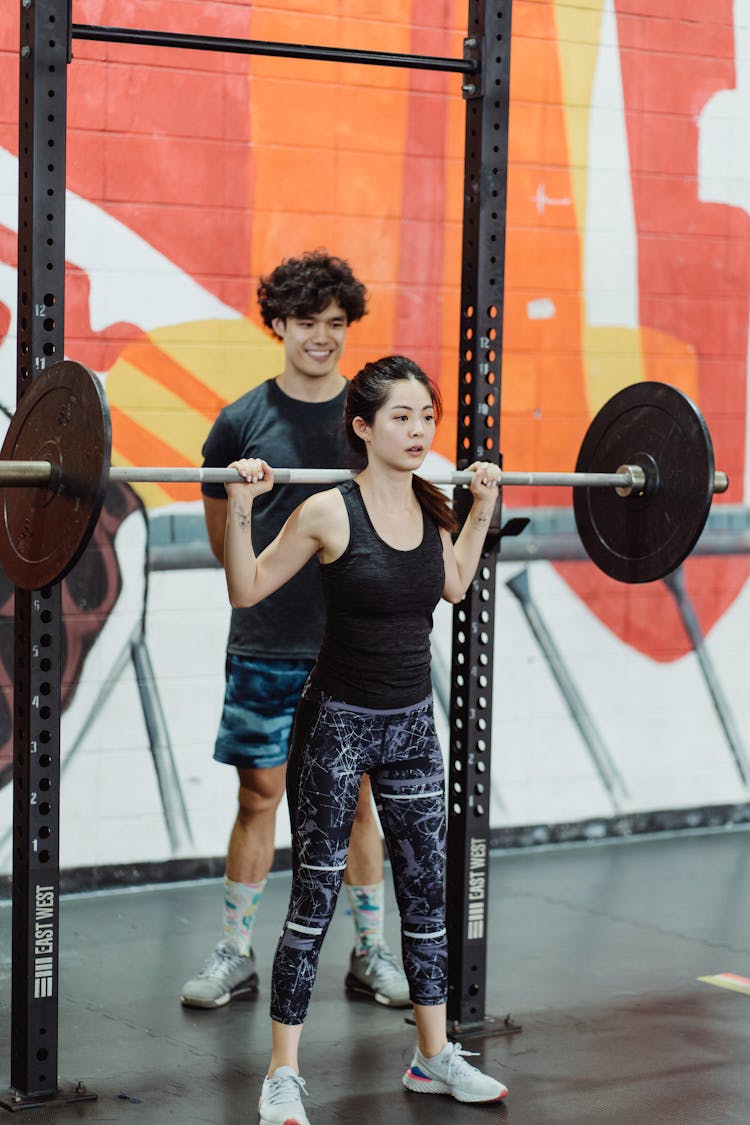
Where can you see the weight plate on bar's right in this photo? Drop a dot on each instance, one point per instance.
(642, 537)
(62, 418)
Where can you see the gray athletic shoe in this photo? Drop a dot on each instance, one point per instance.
(379, 976)
(280, 1100)
(449, 1073)
(227, 975)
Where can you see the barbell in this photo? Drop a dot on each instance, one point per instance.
(643, 483)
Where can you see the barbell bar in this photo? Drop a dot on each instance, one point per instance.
(24, 474)
(648, 515)
(628, 478)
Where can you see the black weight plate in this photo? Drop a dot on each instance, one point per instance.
(62, 418)
(640, 538)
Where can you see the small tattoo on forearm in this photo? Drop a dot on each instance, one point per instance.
(480, 520)
(244, 521)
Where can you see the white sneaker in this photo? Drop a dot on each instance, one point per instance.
(379, 976)
(227, 975)
(449, 1073)
(280, 1101)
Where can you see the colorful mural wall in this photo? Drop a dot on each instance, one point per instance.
(191, 173)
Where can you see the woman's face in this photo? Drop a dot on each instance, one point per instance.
(404, 427)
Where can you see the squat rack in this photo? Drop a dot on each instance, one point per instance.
(46, 36)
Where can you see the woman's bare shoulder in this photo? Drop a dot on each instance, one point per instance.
(324, 516)
(323, 505)
(320, 511)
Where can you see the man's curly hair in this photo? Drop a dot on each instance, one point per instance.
(302, 287)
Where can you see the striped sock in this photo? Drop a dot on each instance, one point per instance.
(240, 907)
(367, 913)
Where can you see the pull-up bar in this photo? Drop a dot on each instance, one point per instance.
(265, 47)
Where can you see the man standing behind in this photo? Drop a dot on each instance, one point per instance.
(295, 420)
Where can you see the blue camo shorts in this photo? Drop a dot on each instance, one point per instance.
(259, 703)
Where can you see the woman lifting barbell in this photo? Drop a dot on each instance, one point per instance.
(387, 556)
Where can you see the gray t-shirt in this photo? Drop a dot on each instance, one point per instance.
(287, 433)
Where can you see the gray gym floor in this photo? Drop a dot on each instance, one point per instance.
(596, 951)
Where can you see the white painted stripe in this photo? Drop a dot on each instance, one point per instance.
(129, 279)
(610, 247)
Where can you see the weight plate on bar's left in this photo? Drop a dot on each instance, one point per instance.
(642, 537)
(62, 418)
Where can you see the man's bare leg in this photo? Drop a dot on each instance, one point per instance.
(364, 864)
(251, 842)
(230, 972)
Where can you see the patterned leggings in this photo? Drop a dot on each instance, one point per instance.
(333, 744)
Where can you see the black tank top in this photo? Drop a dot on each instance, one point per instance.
(379, 605)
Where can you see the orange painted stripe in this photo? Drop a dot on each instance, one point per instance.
(138, 446)
(422, 233)
(294, 106)
(159, 366)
